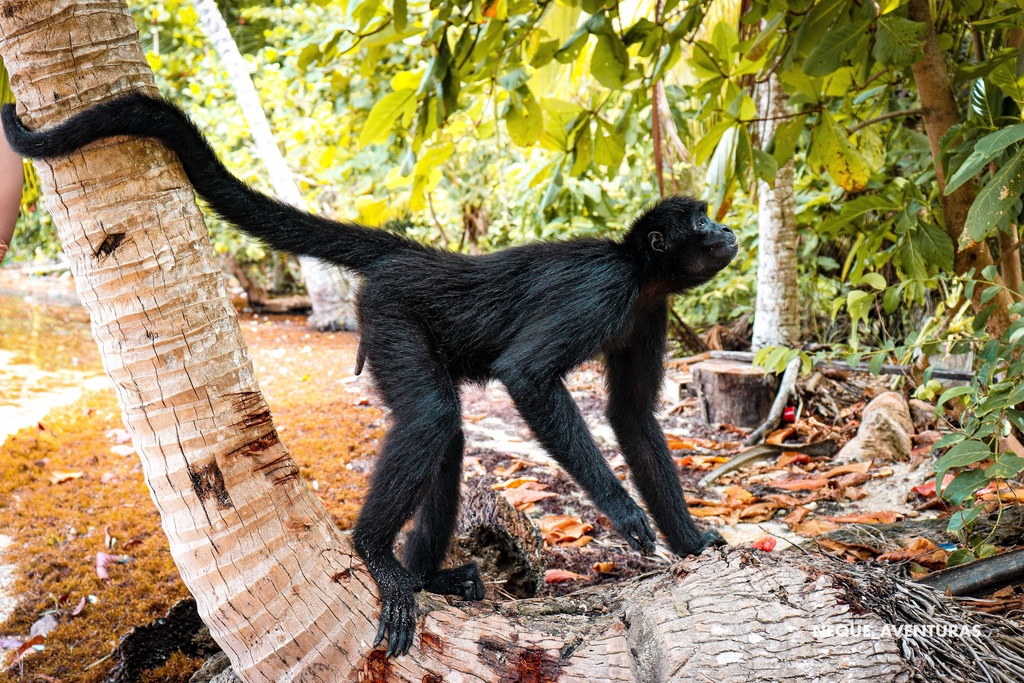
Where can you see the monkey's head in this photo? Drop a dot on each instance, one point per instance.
(681, 245)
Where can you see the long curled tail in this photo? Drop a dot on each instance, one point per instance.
(278, 224)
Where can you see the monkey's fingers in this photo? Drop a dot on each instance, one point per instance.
(385, 613)
(401, 630)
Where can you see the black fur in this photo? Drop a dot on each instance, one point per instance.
(432, 320)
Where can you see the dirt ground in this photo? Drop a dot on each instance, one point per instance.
(86, 560)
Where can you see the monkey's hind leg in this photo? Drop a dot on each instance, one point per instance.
(425, 422)
(435, 522)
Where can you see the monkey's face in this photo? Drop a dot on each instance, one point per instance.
(688, 247)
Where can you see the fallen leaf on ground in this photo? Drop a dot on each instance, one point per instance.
(522, 498)
(790, 457)
(558, 529)
(795, 516)
(858, 552)
(852, 468)
(779, 435)
(880, 517)
(710, 511)
(677, 443)
(759, 512)
(920, 550)
(737, 496)
(514, 483)
(26, 646)
(927, 489)
(604, 567)
(561, 575)
(814, 527)
(514, 467)
(799, 484)
(61, 476)
(103, 560)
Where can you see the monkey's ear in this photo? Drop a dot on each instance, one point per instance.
(657, 241)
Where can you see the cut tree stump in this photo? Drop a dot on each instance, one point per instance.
(732, 392)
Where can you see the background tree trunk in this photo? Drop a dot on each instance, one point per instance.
(330, 290)
(279, 586)
(940, 114)
(777, 311)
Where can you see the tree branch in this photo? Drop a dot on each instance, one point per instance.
(886, 117)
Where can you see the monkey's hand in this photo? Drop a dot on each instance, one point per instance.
(464, 582)
(632, 524)
(709, 539)
(397, 612)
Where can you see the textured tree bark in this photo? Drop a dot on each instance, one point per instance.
(330, 290)
(777, 310)
(940, 114)
(279, 586)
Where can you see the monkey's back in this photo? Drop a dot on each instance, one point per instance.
(533, 299)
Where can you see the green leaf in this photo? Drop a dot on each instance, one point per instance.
(610, 147)
(859, 303)
(961, 519)
(1005, 76)
(985, 150)
(785, 139)
(848, 168)
(401, 12)
(953, 393)
(959, 556)
(854, 209)
(765, 166)
(1006, 466)
(827, 55)
(610, 62)
(525, 123)
(874, 280)
(388, 110)
(815, 25)
(705, 147)
(898, 41)
(934, 244)
(996, 199)
(964, 485)
(961, 455)
(583, 153)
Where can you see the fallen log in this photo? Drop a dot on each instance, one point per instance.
(979, 577)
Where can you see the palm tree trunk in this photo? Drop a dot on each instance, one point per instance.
(777, 311)
(281, 589)
(330, 290)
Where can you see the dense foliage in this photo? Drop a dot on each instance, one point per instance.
(477, 124)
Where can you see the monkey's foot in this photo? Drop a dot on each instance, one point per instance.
(632, 524)
(709, 539)
(397, 616)
(464, 582)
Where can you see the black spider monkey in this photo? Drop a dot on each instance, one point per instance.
(432, 320)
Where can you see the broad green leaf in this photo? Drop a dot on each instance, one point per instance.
(898, 41)
(961, 455)
(385, 113)
(1006, 466)
(582, 153)
(961, 519)
(610, 62)
(873, 279)
(814, 27)
(964, 485)
(705, 147)
(859, 303)
(1005, 76)
(526, 123)
(996, 199)
(848, 168)
(959, 556)
(855, 208)
(827, 55)
(785, 139)
(934, 244)
(953, 393)
(985, 150)
(610, 147)
(765, 166)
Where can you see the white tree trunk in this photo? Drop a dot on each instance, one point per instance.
(330, 290)
(777, 312)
